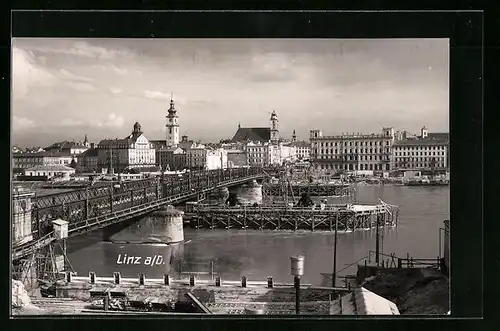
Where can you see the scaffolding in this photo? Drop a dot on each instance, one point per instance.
(294, 184)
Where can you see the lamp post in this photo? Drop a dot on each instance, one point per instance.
(297, 270)
(334, 275)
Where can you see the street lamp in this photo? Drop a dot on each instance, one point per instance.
(297, 270)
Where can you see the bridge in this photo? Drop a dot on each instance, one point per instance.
(95, 208)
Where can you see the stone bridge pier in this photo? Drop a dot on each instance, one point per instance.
(163, 226)
(249, 193)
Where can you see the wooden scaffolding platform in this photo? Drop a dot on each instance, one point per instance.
(345, 217)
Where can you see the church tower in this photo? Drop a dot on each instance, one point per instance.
(274, 128)
(424, 132)
(172, 125)
(294, 136)
(86, 141)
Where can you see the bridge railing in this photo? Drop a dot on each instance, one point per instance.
(75, 207)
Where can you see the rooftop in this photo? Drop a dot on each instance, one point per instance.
(439, 135)
(252, 134)
(41, 154)
(352, 136)
(89, 153)
(51, 168)
(170, 149)
(420, 142)
(300, 144)
(66, 145)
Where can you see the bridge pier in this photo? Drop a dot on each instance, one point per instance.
(172, 225)
(21, 217)
(249, 193)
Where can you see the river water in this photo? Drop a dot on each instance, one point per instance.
(258, 254)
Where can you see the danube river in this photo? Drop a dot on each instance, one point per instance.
(258, 254)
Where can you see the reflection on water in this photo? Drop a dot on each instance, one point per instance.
(258, 254)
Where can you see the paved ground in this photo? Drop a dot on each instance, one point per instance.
(219, 300)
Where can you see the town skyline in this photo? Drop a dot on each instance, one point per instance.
(66, 88)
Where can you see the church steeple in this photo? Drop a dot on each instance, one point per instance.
(274, 128)
(172, 110)
(86, 141)
(172, 138)
(239, 125)
(294, 136)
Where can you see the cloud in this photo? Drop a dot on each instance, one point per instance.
(115, 90)
(157, 95)
(80, 87)
(120, 71)
(26, 74)
(112, 121)
(71, 122)
(272, 67)
(117, 70)
(22, 123)
(68, 75)
(84, 49)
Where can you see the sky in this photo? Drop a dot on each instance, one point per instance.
(63, 89)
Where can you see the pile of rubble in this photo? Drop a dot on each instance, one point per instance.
(415, 291)
(21, 302)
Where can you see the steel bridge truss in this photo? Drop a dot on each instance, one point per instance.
(98, 207)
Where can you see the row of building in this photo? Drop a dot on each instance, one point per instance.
(385, 151)
(250, 146)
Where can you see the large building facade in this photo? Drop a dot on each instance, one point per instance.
(172, 159)
(69, 147)
(263, 145)
(133, 151)
(259, 154)
(352, 152)
(22, 161)
(427, 151)
(87, 161)
(237, 158)
(302, 148)
(268, 134)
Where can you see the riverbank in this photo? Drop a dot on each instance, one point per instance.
(415, 291)
(74, 298)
